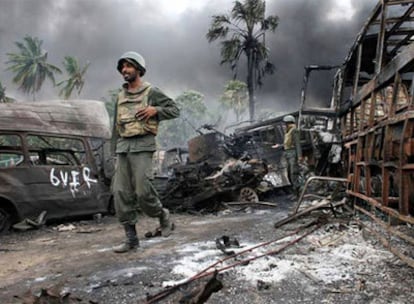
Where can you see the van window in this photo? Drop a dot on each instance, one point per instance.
(10, 140)
(50, 150)
(9, 160)
(10, 150)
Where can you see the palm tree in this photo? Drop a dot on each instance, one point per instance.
(245, 28)
(76, 77)
(30, 66)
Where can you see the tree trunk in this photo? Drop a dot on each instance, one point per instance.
(250, 86)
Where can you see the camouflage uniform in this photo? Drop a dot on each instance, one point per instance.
(292, 153)
(132, 187)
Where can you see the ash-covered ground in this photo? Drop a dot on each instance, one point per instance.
(318, 258)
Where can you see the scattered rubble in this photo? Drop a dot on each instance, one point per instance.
(320, 257)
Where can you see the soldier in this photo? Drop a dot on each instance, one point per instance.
(138, 110)
(292, 152)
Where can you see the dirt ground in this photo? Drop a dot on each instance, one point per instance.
(336, 263)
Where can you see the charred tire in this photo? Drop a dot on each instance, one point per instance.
(247, 194)
(5, 220)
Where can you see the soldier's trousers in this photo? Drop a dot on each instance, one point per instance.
(132, 187)
(293, 169)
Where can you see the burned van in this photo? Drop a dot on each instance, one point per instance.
(53, 160)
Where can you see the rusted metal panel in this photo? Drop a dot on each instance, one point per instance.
(77, 117)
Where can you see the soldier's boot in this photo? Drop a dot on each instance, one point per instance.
(166, 225)
(131, 241)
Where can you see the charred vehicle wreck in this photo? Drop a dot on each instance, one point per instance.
(243, 166)
(364, 136)
(215, 167)
(52, 160)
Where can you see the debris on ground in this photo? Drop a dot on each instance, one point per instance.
(51, 295)
(29, 224)
(225, 242)
(319, 257)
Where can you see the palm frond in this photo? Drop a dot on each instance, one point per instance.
(270, 23)
(75, 80)
(30, 65)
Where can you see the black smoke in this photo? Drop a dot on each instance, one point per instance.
(177, 53)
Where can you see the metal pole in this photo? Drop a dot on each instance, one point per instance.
(312, 178)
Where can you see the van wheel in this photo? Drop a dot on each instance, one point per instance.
(5, 221)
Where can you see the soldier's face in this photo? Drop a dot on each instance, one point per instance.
(129, 72)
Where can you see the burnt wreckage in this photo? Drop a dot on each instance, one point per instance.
(214, 167)
(371, 111)
(366, 134)
(363, 138)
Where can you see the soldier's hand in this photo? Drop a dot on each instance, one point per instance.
(276, 146)
(146, 113)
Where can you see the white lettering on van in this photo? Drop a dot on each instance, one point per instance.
(86, 172)
(72, 180)
(64, 176)
(74, 184)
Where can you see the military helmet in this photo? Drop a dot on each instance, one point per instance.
(289, 119)
(134, 58)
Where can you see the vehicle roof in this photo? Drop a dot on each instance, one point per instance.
(66, 117)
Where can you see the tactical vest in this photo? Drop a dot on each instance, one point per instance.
(128, 124)
(289, 141)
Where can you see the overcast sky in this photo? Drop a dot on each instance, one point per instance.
(170, 34)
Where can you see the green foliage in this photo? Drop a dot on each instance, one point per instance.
(30, 65)
(111, 102)
(2, 93)
(235, 97)
(243, 32)
(193, 113)
(3, 96)
(76, 78)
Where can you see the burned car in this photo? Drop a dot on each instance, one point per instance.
(52, 160)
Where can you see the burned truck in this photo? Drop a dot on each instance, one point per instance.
(54, 160)
(215, 167)
(365, 132)
(374, 100)
(371, 115)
